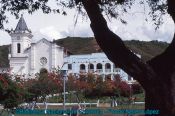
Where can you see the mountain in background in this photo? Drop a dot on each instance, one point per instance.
(147, 50)
(79, 45)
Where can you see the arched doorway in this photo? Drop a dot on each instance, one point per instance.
(82, 68)
(107, 67)
(91, 67)
(99, 68)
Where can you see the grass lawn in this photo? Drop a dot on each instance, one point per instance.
(122, 105)
(55, 99)
(105, 111)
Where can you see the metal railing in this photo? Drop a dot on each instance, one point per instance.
(82, 71)
(108, 70)
(99, 70)
(116, 70)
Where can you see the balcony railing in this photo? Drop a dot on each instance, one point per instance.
(116, 70)
(99, 70)
(107, 70)
(82, 71)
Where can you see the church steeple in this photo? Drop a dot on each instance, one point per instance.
(21, 39)
(21, 26)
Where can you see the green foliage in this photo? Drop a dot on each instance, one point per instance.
(147, 50)
(137, 88)
(93, 86)
(71, 83)
(44, 84)
(139, 97)
(11, 93)
(112, 8)
(78, 45)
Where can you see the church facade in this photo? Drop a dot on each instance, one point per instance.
(27, 58)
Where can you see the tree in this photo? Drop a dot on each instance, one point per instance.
(93, 86)
(11, 93)
(157, 76)
(44, 84)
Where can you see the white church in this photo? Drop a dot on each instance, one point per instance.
(28, 58)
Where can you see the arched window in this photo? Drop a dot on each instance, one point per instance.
(99, 66)
(82, 67)
(91, 66)
(18, 48)
(107, 66)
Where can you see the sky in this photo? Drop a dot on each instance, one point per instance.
(56, 26)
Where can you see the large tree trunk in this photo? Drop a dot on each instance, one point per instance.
(157, 76)
(161, 97)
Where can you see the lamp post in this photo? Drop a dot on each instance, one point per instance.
(64, 74)
(64, 89)
(130, 84)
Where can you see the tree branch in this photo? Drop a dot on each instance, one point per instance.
(114, 47)
(171, 12)
(164, 63)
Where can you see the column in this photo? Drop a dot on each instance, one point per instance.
(112, 67)
(32, 57)
(86, 67)
(95, 67)
(53, 56)
(103, 68)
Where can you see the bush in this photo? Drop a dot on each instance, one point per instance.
(11, 94)
(137, 88)
(125, 89)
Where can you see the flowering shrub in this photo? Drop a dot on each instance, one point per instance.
(94, 86)
(125, 89)
(11, 93)
(44, 84)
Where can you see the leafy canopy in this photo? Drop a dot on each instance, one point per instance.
(112, 8)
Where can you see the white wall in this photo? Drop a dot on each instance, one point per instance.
(94, 58)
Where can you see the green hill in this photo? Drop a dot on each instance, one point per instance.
(147, 50)
(77, 45)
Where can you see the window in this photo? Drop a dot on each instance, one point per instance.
(69, 66)
(91, 66)
(108, 66)
(99, 66)
(82, 67)
(18, 48)
(43, 60)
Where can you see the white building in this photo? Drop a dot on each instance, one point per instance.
(96, 63)
(27, 58)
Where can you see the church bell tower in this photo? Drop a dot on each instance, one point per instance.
(21, 39)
